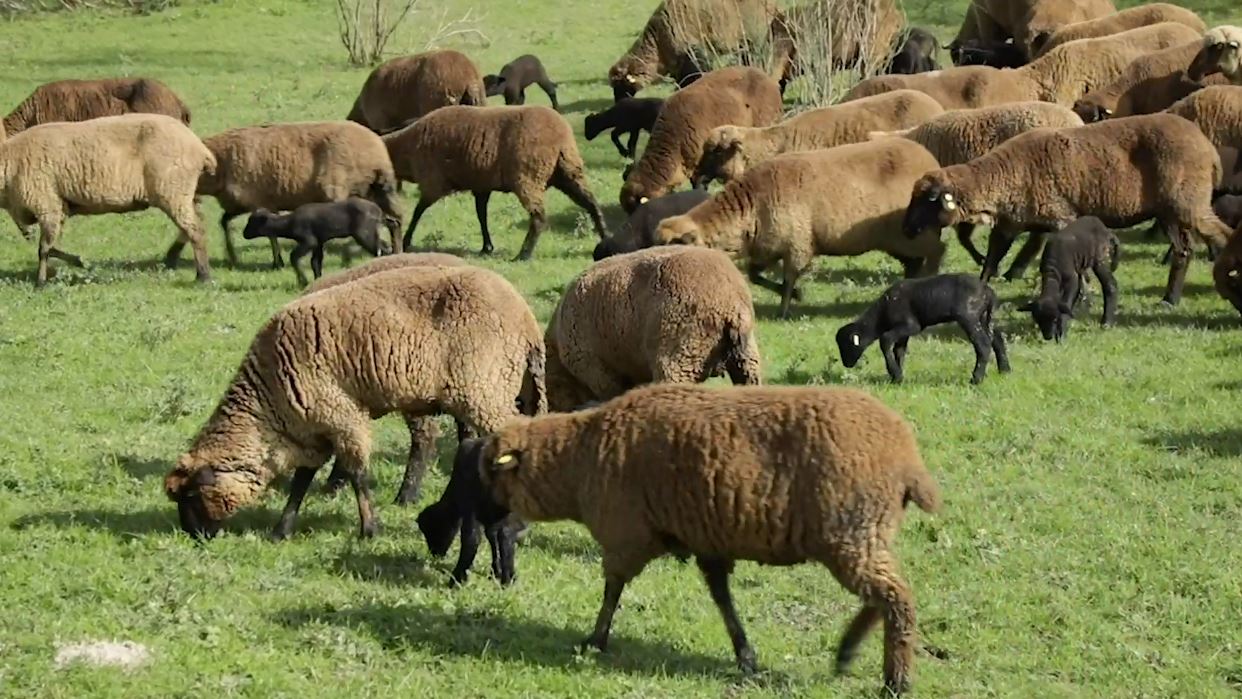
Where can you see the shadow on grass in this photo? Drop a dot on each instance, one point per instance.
(164, 519)
(1178, 319)
(586, 105)
(143, 468)
(1224, 443)
(475, 633)
(845, 311)
(389, 569)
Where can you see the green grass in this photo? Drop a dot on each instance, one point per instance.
(1087, 547)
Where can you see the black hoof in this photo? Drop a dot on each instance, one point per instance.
(746, 661)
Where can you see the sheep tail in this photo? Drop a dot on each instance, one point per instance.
(740, 363)
(922, 490)
(534, 382)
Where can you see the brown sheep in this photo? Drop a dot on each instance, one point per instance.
(729, 150)
(960, 136)
(410, 87)
(1227, 272)
(1122, 171)
(79, 100)
(1028, 22)
(283, 166)
(108, 165)
(668, 315)
(774, 475)
(966, 87)
(456, 340)
(680, 31)
(1125, 20)
(737, 96)
(1217, 111)
(1148, 85)
(837, 24)
(842, 201)
(523, 150)
(1220, 54)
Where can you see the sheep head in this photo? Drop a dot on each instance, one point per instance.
(493, 85)
(1220, 54)
(724, 157)
(1092, 109)
(635, 193)
(677, 230)
(852, 340)
(1051, 316)
(256, 225)
(627, 76)
(207, 495)
(935, 204)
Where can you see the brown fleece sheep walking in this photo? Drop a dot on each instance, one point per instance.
(779, 476)
(1029, 22)
(737, 96)
(523, 150)
(1149, 84)
(1217, 111)
(669, 315)
(283, 166)
(729, 150)
(109, 165)
(79, 100)
(410, 87)
(1125, 20)
(455, 340)
(847, 200)
(1122, 171)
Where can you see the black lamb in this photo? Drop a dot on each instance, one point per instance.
(916, 53)
(518, 75)
(1228, 208)
(629, 115)
(638, 229)
(312, 225)
(987, 52)
(909, 307)
(1069, 253)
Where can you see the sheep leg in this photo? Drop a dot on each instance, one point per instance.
(549, 88)
(423, 204)
(1029, 250)
(964, 233)
(468, 549)
(888, 345)
(859, 628)
(979, 337)
(295, 259)
(423, 433)
(882, 590)
(574, 186)
(230, 251)
(616, 139)
(899, 351)
(1000, 240)
(57, 253)
(613, 587)
(302, 478)
(186, 216)
(1177, 270)
(501, 542)
(317, 260)
(480, 210)
(716, 572)
(538, 222)
(368, 523)
(1002, 353)
(789, 289)
(277, 261)
(911, 266)
(754, 272)
(633, 143)
(336, 479)
(49, 231)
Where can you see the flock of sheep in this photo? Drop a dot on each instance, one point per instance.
(556, 423)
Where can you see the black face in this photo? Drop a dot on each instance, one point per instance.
(1037, 44)
(1207, 62)
(925, 213)
(193, 515)
(851, 344)
(623, 88)
(709, 166)
(591, 127)
(493, 85)
(1051, 318)
(1089, 112)
(254, 225)
(439, 523)
(611, 246)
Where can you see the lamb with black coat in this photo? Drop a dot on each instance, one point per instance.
(518, 75)
(909, 307)
(916, 53)
(630, 115)
(312, 225)
(987, 52)
(637, 232)
(1228, 208)
(1085, 244)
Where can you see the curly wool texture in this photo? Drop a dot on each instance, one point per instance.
(1125, 20)
(729, 150)
(1023, 20)
(965, 87)
(961, 136)
(1123, 171)
(410, 87)
(384, 264)
(679, 29)
(1217, 111)
(79, 100)
(1149, 84)
(672, 314)
(420, 342)
(737, 96)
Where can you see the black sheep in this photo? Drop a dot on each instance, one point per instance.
(312, 225)
(1069, 253)
(636, 234)
(911, 306)
(518, 75)
(629, 115)
(916, 53)
(1228, 208)
(987, 52)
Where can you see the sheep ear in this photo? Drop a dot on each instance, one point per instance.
(507, 461)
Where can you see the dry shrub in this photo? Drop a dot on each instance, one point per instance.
(366, 27)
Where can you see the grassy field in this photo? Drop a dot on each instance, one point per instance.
(1086, 548)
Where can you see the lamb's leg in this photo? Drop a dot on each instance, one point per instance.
(886, 595)
(549, 88)
(538, 222)
(500, 539)
(616, 139)
(295, 259)
(910, 266)
(467, 549)
(277, 261)
(716, 572)
(1026, 254)
(423, 433)
(480, 210)
(423, 204)
(633, 143)
(1002, 353)
(302, 478)
(573, 185)
(49, 231)
(982, 341)
(888, 346)
(899, 352)
(317, 259)
(58, 254)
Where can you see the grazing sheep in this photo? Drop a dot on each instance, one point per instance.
(523, 150)
(1125, 20)
(1029, 22)
(909, 307)
(1220, 54)
(916, 52)
(773, 475)
(842, 201)
(986, 52)
(738, 96)
(637, 232)
(1148, 85)
(679, 31)
(1084, 245)
(1217, 111)
(1227, 272)
(459, 340)
(629, 115)
(958, 137)
(515, 77)
(110, 165)
(79, 100)
(1122, 171)
(313, 225)
(729, 150)
(667, 315)
(409, 87)
(280, 167)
